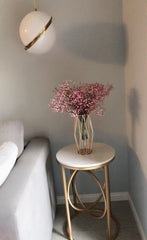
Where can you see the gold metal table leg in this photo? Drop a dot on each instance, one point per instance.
(73, 189)
(67, 204)
(106, 172)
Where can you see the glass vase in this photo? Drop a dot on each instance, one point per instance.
(83, 134)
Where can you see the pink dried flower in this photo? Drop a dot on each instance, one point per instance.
(82, 99)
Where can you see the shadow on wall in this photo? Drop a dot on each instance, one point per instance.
(134, 108)
(101, 42)
(137, 178)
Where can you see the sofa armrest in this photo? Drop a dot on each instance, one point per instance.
(25, 205)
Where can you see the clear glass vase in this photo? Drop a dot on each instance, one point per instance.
(83, 134)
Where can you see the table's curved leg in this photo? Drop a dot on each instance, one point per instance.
(106, 172)
(67, 204)
(83, 208)
(73, 189)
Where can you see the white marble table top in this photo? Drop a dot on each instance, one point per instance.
(101, 154)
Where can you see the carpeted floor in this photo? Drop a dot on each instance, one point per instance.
(84, 227)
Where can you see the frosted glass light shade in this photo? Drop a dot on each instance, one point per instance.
(34, 24)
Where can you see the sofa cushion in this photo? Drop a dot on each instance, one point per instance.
(8, 155)
(12, 131)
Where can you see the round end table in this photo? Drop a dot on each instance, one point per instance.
(101, 156)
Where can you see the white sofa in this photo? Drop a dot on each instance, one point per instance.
(27, 198)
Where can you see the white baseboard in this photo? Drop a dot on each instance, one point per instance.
(140, 228)
(117, 196)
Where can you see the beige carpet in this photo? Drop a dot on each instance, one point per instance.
(84, 227)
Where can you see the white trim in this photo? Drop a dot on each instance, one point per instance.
(116, 196)
(119, 196)
(60, 200)
(140, 228)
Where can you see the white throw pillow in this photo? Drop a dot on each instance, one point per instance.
(8, 156)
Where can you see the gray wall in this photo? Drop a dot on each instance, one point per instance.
(135, 15)
(89, 48)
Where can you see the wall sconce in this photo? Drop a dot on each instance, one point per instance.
(37, 32)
